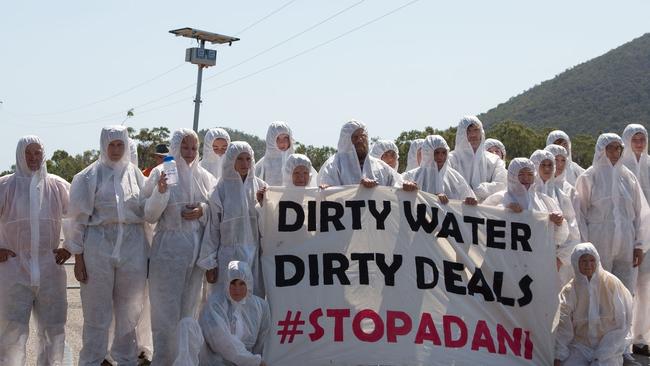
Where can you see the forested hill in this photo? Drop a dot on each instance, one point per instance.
(600, 95)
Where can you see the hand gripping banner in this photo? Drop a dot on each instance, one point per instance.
(380, 276)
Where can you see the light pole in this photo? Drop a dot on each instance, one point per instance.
(202, 57)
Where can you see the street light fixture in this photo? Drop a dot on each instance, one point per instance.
(202, 57)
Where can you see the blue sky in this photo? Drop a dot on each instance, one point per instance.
(427, 64)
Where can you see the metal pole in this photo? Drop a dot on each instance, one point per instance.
(197, 100)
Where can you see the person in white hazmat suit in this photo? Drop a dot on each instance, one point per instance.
(560, 182)
(298, 172)
(180, 213)
(386, 151)
(32, 280)
(545, 183)
(613, 212)
(595, 314)
(436, 176)
(279, 145)
(353, 165)
(521, 195)
(215, 143)
(235, 323)
(414, 156)
(233, 232)
(485, 173)
(572, 169)
(496, 147)
(107, 236)
(635, 158)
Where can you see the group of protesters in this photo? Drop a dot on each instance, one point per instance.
(171, 271)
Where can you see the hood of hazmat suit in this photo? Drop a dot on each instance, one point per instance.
(271, 167)
(537, 158)
(380, 147)
(412, 157)
(433, 180)
(344, 167)
(233, 233)
(211, 161)
(572, 169)
(485, 173)
(32, 207)
(190, 342)
(612, 210)
(490, 143)
(294, 161)
(235, 331)
(640, 167)
(595, 314)
(133, 151)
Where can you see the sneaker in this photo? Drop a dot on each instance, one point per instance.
(628, 360)
(641, 349)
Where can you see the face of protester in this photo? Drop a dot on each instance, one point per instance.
(237, 290)
(613, 152)
(639, 143)
(115, 150)
(390, 158)
(283, 142)
(243, 164)
(440, 157)
(360, 141)
(219, 146)
(560, 164)
(34, 156)
(189, 148)
(587, 265)
(526, 177)
(495, 150)
(546, 170)
(562, 142)
(300, 176)
(474, 136)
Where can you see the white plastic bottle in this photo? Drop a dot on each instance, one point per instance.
(169, 167)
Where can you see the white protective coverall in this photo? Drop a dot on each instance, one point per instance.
(107, 227)
(380, 147)
(565, 204)
(270, 168)
(32, 205)
(233, 233)
(344, 169)
(490, 143)
(412, 157)
(613, 214)
(235, 332)
(190, 342)
(485, 173)
(211, 161)
(174, 279)
(572, 170)
(641, 169)
(529, 199)
(430, 179)
(294, 161)
(595, 316)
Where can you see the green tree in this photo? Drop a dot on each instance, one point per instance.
(317, 155)
(147, 141)
(520, 140)
(582, 149)
(66, 165)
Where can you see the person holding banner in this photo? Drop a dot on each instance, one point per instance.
(107, 236)
(215, 143)
(595, 314)
(233, 232)
(545, 183)
(560, 182)
(572, 169)
(485, 173)
(279, 145)
(180, 214)
(235, 323)
(436, 176)
(298, 172)
(496, 147)
(33, 204)
(414, 156)
(353, 165)
(387, 151)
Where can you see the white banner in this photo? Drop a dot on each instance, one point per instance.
(386, 277)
